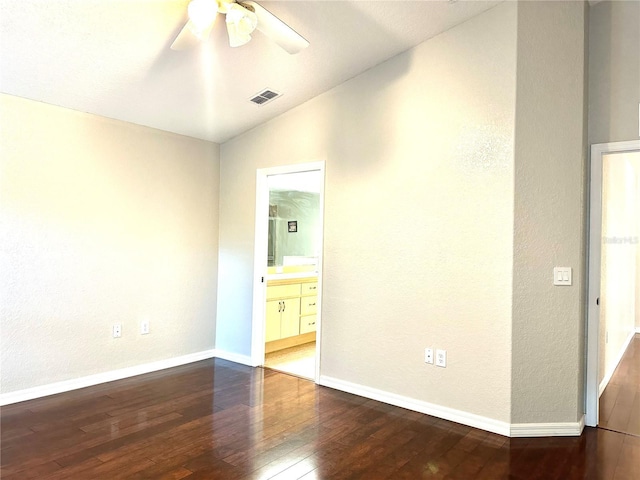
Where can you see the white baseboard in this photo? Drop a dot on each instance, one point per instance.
(458, 416)
(609, 374)
(568, 429)
(110, 376)
(637, 329)
(446, 413)
(234, 357)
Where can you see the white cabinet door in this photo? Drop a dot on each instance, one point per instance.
(290, 319)
(274, 312)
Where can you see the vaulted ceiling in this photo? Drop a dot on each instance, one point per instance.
(112, 57)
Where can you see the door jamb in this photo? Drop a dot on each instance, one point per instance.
(592, 394)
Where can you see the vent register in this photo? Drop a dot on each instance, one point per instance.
(264, 97)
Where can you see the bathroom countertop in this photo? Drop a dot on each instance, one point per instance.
(290, 276)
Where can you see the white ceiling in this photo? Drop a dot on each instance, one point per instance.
(112, 57)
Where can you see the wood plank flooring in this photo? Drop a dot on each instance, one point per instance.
(620, 401)
(219, 420)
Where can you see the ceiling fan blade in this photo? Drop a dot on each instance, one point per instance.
(189, 37)
(185, 39)
(278, 31)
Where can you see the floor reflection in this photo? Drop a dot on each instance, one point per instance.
(218, 419)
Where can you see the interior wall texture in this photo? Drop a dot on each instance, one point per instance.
(620, 233)
(614, 71)
(101, 222)
(418, 239)
(549, 213)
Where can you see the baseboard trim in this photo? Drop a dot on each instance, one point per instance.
(607, 378)
(458, 416)
(110, 376)
(566, 429)
(637, 329)
(234, 357)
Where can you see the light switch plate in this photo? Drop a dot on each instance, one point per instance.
(562, 276)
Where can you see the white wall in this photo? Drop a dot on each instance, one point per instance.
(614, 71)
(550, 213)
(101, 222)
(620, 213)
(418, 218)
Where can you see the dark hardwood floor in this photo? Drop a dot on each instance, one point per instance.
(219, 420)
(620, 401)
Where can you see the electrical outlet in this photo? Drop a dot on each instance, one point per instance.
(144, 327)
(428, 355)
(441, 358)
(117, 330)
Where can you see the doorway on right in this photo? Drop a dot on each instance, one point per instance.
(619, 340)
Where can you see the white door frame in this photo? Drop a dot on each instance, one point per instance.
(598, 151)
(260, 259)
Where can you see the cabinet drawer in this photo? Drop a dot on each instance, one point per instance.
(310, 288)
(308, 305)
(307, 324)
(283, 291)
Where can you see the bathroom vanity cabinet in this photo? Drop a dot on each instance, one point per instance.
(291, 312)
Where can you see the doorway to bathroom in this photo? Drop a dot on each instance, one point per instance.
(288, 266)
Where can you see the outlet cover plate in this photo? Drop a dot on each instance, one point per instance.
(441, 358)
(428, 355)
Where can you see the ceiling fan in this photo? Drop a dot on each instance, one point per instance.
(241, 18)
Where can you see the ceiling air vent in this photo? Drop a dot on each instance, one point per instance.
(264, 97)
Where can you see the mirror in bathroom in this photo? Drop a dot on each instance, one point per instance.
(294, 199)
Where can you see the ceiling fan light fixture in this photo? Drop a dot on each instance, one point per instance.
(241, 22)
(242, 18)
(202, 14)
(236, 39)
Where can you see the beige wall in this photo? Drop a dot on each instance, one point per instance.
(419, 226)
(620, 214)
(101, 222)
(614, 71)
(418, 218)
(549, 226)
